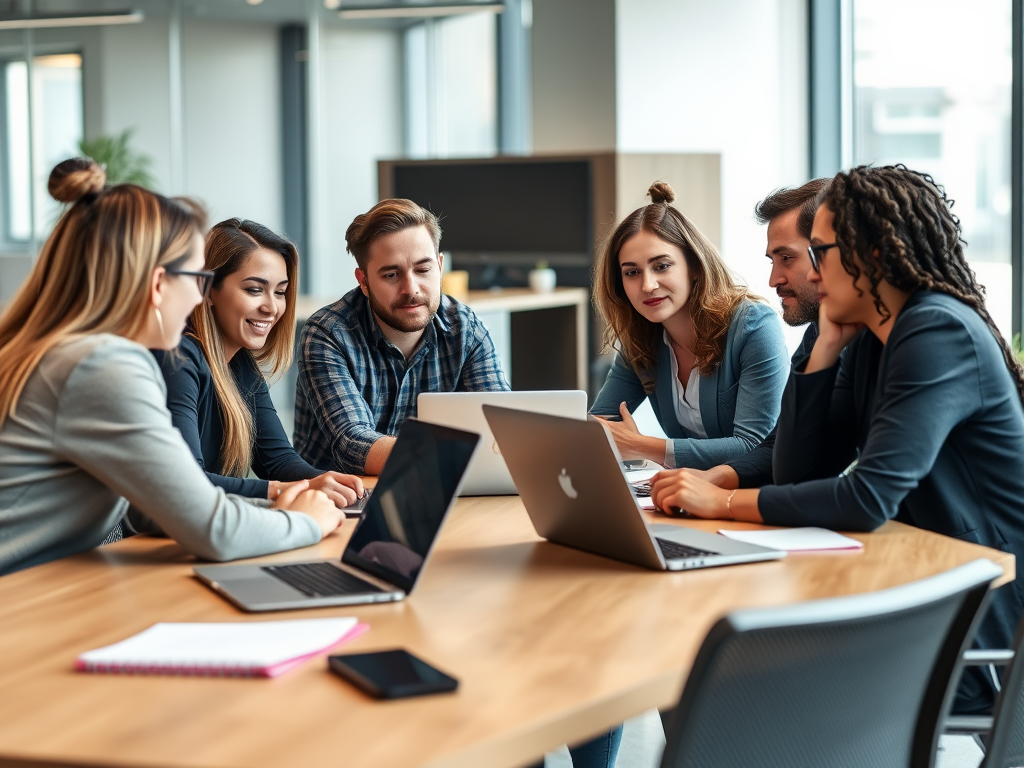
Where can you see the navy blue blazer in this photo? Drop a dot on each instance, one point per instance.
(739, 400)
(935, 422)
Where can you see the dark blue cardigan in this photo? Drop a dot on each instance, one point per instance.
(195, 411)
(934, 419)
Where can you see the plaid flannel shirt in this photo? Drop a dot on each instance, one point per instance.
(354, 386)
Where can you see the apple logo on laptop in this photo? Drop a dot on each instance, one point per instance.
(566, 482)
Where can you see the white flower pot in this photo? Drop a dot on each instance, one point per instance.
(542, 280)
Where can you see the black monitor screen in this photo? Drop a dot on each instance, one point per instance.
(528, 207)
(409, 502)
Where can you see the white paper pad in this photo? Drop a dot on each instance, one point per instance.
(265, 647)
(796, 539)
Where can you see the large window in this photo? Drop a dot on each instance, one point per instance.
(931, 89)
(55, 129)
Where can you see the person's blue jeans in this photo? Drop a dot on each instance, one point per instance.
(596, 753)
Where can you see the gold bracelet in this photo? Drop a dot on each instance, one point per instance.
(728, 504)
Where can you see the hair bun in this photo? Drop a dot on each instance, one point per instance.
(661, 192)
(73, 179)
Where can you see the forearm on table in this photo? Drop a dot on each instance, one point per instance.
(378, 455)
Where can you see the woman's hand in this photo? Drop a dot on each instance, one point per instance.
(341, 489)
(832, 339)
(297, 497)
(629, 441)
(684, 489)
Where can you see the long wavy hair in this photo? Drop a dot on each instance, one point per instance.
(229, 245)
(94, 270)
(905, 220)
(713, 300)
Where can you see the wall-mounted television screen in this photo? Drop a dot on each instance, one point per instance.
(530, 209)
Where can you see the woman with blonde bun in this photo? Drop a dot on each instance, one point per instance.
(84, 428)
(709, 356)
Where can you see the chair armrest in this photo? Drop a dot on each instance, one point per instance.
(968, 724)
(987, 656)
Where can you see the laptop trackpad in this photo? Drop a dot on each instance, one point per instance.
(261, 589)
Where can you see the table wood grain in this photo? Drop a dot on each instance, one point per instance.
(550, 645)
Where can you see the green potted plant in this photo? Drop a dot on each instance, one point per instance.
(122, 163)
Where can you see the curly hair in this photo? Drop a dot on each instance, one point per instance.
(905, 219)
(713, 300)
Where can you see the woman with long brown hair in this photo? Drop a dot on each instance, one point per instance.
(708, 355)
(84, 429)
(216, 391)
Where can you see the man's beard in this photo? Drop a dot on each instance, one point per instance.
(391, 317)
(806, 308)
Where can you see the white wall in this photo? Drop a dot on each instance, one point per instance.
(573, 61)
(232, 94)
(362, 108)
(731, 78)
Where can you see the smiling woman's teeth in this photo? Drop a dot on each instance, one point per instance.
(259, 325)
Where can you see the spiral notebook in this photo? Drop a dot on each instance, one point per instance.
(250, 649)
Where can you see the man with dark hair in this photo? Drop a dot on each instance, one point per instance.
(364, 359)
(789, 214)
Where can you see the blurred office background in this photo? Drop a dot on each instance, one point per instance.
(278, 110)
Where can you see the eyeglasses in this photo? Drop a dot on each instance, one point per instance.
(815, 251)
(204, 279)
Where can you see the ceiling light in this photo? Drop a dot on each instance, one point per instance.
(394, 11)
(51, 20)
(332, 5)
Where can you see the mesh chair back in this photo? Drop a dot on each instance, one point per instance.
(828, 683)
(1006, 746)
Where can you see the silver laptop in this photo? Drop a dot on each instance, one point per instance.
(487, 474)
(390, 545)
(570, 477)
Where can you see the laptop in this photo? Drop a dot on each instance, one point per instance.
(389, 548)
(487, 474)
(571, 480)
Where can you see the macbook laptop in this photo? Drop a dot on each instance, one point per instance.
(570, 477)
(487, 474)
(390, 545)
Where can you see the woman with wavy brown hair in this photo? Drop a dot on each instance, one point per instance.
(216, 391)
(910, 377)
(708, 355)
(84, 429)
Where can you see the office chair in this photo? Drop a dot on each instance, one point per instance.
(846, 682)
(1001, 734)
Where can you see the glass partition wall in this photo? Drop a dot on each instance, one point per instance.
(931, 88)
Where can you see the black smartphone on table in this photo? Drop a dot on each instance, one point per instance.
(393, 674)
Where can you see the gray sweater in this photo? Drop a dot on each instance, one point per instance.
(92, 434)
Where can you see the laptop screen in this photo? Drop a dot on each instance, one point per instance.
(408, 505)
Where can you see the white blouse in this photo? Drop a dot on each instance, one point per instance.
(686, 401)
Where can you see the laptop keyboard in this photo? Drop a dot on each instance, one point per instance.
(675, 551)
(320, 579)
(358, 506)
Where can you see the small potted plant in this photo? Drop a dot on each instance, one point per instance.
(542, 278)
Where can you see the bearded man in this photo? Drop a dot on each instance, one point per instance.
(364, 360)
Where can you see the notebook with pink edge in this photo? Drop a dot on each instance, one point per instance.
(242, 649)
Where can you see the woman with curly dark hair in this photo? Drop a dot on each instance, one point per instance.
(909, 377)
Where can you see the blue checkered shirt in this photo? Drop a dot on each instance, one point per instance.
(355, 387)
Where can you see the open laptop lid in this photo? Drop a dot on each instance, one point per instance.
(414, 492)
(487, 473)
(570, 478)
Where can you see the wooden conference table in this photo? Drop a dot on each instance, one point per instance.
(551, 645)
